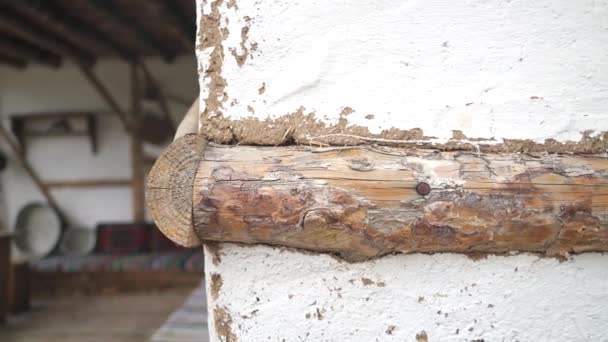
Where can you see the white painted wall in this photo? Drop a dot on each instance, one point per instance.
(39, 89)
(282, 295)
(490, 68)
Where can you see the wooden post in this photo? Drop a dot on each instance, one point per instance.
(364, 202)
(137, 170)
(162, 100)
(5, 268)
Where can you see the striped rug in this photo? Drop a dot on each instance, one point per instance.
(188, 323)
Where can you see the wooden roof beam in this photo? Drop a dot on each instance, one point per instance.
(15, 62)
(171, 22)
(187, 8)
(48, 17)
(13, 26)
(29, 52)
(184, 22)
(112, 13)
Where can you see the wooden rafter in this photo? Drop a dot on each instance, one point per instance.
(14, 62)
(107, 9)
(29, 52)
(185, 22)
(84, 30)
(44, 15)
(171, 26)
(12, 24)
(187, 8)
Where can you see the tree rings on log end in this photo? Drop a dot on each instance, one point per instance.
(169, 189)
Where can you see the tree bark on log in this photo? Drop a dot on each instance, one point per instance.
(363, 202)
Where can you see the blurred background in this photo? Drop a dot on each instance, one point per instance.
(90, 93)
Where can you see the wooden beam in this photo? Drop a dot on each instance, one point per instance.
(45, 15)
(137, 163)
(185, 22)
(106, 29)
(110, 11)
(88, 183)
(105, 95)
(14, 62)
(162, 100)
(11, 24)
(170, 24)
(5, 267)
(364, 202)
(28, 52)
(18, 153)
(187, 8)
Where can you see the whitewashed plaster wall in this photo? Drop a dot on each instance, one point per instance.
(492, 69)
(41, 89)
(273, 294)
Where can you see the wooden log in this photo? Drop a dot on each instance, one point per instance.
(364, 202)
(137, 161)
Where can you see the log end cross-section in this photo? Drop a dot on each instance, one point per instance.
(170, 186)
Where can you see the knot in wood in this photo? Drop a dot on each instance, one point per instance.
(315, 220)
(361, 164)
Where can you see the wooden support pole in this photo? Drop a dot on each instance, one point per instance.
(18, 153)
(162, 100)
(137, 164)
(364, 202)
(105, 94)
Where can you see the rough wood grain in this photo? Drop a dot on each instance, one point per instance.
(361, 202)
(169, 189)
